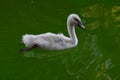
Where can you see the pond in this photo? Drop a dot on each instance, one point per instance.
(96, 57)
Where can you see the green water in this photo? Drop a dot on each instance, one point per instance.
(95, 58)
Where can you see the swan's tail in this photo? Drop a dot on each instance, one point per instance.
(28, 40)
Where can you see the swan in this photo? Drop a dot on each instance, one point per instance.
(51, 41)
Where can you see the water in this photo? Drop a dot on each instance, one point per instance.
(95, 58)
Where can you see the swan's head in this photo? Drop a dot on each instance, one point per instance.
(74, 19)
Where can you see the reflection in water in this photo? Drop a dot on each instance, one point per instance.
(94, 11)
(81, 65)
(40, 55)
(116, 13)
(101, 70)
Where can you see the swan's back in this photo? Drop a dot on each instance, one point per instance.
(52, 37)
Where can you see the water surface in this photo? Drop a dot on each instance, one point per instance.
(95, 58)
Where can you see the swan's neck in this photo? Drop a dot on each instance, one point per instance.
(71, 32)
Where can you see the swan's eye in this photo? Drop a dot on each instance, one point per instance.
(76, 20)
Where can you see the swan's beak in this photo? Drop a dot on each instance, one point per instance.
(81, 25)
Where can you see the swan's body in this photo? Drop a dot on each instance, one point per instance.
(51, 41)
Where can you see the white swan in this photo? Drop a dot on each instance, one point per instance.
(51, 41)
